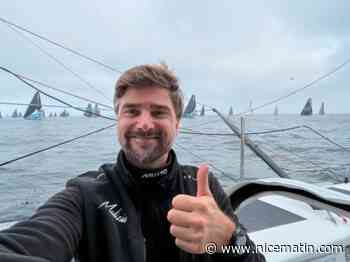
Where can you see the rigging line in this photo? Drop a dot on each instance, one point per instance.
(206, 123)
(326, 138)
(64, 92)
(205, 105)
(302, 126)
(87, 83)
(54, 98)
(308, 161)
(44, 105)
(21, 104)
(248, 133)
(337, 68)
(201, 159)
(60, 45)
(273, 131)
(206, 134)
(56, 145)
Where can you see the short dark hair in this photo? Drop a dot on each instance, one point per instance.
(150, 75)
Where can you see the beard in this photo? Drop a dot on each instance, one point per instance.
(142, 148)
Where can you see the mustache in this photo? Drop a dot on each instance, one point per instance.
(152, 133)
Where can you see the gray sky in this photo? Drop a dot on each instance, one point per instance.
(225, 52)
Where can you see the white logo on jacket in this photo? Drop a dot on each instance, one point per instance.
(116, 212)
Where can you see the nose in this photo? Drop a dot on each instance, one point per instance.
(145, 121)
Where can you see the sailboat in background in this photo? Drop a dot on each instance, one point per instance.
(307, 110)
(97, 110)
(250, 107)
(15, 114)
(0, 115)
(321, 112)
(92, 112)
(88, 111)
(34, 111)
(190, 108)
(202, 111)
(64, 113)
(230, 112)
(275, 113)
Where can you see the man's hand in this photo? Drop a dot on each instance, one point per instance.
(197, 221)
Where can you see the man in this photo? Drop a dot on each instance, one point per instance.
(146, 207)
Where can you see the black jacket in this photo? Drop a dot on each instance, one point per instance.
(102, 216)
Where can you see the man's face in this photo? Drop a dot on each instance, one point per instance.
(147, 126)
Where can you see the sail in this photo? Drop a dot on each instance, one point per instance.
(230, 113)
(276, 111)
(307, 110)
(97, 110)
(321, 112)
(202, 111)
(191, 106)
(64, 113)
(35, 104)
(0, 115)
(251, 107)
(15, 113)
(88, 111)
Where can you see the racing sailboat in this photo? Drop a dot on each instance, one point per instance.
(321, 112)
(230, 113)
(307, 110)
(34, 111)
(202, 111)
(190, 108)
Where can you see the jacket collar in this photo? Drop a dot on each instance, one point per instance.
(161, 185)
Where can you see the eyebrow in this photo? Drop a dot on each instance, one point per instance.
(153, 106)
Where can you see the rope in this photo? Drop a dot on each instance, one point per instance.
(53, 97)
(60, 45)
(204, 161)
(87, 83)
(55, 145)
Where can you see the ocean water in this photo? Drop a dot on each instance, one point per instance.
(304, 155)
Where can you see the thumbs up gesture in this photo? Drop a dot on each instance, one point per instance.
(197, 221)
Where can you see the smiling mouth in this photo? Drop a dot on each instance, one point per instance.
(143, 137)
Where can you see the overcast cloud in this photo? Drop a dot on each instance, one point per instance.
(225, 52)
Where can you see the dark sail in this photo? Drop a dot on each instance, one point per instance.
(202, 111)
(15, 113)
(191, 106)
(276, 111)
(64, 113)
(35, 104)
(321, 112)
(97, 110)
(88, 111)
(307, 110)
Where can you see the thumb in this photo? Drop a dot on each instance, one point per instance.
(202, 181)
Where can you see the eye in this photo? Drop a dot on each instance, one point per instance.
(159, 113)
(130, 111)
